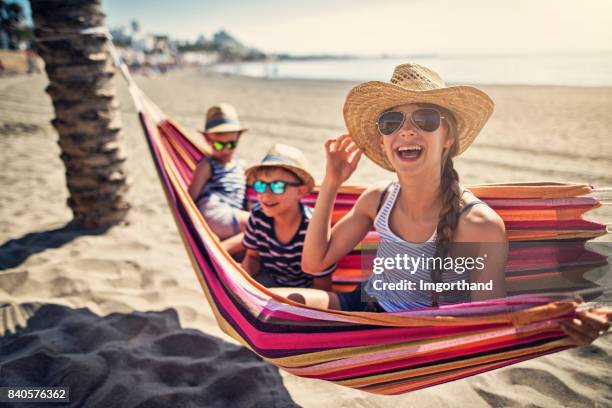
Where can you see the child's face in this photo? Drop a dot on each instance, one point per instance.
(226, 141)
(278, 205)
(430, 145)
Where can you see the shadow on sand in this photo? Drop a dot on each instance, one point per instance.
(142, 359)
(15, 251)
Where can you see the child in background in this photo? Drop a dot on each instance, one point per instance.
(218, 185)
(275, 231)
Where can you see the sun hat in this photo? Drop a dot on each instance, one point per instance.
(222, 118)
(287, 157)
(412, 83)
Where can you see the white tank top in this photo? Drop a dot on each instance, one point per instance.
(390, 245)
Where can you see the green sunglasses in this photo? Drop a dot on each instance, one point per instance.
(219, 146)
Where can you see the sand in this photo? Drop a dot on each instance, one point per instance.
(536, 133)
(136, 359)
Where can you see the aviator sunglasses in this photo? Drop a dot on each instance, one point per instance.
(426, 119)
(219, 146)
(276, 186)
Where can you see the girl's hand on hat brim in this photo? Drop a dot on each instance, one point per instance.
(343, 156)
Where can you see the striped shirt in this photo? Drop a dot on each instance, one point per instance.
(281, 261)
(389, 247)
(226, 181)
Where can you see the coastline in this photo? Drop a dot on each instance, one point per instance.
(209, 70)
(142, 266)
(549, 69)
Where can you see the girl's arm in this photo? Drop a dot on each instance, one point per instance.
(484, 229)
(324, 246)
(587, 325)
(200, 178)
(481, 235)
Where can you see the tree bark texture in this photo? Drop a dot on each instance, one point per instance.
(87, 116)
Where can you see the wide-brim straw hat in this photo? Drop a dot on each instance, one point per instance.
(222, 118)
(287, 157)
(412, 83)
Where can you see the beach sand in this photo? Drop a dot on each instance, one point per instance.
(535, 134)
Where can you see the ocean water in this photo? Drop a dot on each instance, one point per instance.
(558, 69)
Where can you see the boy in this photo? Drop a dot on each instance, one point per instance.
(275, 231)
(218, 185)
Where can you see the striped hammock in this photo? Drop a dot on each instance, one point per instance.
(393, 353)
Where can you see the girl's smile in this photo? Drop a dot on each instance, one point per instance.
(409, 153)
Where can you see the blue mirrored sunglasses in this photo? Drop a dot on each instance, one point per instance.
(276, 186)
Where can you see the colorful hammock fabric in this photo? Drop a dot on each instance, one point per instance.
(391, 353)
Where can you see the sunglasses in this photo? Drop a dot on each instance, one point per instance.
(276, 186)
(426, 119)
(219, 146)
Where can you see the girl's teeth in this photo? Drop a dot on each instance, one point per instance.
(409, 152)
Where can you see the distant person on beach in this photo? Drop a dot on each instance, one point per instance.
(218, 185)
(275, 232)
(412, 126)
(32, 63)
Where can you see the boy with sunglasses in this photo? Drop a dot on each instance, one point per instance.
(275, 231)
(218, 185)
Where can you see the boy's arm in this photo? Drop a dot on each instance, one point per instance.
(324, 283)
(251, 263)
(233, 245)
(200, 178)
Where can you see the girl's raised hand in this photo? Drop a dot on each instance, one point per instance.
(342, 158)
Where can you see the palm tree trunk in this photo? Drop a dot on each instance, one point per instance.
(87, 117)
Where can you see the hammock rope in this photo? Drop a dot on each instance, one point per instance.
(392, 353)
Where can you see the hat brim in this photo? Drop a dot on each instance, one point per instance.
(365, 102)
(304, 176)
(224, 128)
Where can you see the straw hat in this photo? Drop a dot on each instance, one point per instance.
(412, 83)
(222, 118)
(286, 157)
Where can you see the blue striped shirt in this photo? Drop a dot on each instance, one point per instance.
(226, 181)
(282, 261)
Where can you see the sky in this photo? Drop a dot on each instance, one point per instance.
(370, 27)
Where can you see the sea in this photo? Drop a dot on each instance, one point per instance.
(584, 69)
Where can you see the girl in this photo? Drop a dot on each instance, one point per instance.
(413, 126)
